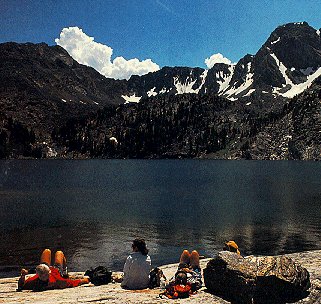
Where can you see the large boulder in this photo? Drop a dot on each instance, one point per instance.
(256, 279)
(231, 276)
(280, 279)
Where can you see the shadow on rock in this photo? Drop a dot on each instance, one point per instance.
(256, 279)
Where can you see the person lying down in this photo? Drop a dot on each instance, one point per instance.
(49, 277)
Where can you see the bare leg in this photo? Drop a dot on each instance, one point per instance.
(60, 259)
(185, 257)
(46, 257)
(195, 259)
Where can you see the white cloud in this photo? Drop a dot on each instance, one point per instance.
(86, 51)
(216, 58)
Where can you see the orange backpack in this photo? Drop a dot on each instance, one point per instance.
(177, 291)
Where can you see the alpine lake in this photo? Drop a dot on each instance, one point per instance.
(93, 209)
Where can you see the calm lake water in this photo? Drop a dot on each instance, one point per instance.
(92, 209)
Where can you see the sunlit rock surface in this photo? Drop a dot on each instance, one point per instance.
(113, 293)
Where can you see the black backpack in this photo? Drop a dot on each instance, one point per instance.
(155, 277)
(99, 276)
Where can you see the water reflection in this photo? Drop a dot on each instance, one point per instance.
(93, 209)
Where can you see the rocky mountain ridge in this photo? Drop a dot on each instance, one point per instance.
(52, 106)
(199, 126)
(284, 66)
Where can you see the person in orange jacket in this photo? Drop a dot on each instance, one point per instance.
(231, 246)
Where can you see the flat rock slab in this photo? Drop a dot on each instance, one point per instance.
(113, 293)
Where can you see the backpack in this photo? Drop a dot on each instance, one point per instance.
(99, 276)
(155, 278)
(176, 291)
(179, 288)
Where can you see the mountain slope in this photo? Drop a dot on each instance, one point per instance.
(43, 86)
(296, 135)
(49, 105)
(191, 125)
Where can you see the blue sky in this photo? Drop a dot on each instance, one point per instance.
(170, 32)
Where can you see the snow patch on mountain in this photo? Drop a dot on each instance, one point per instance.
(282, 69)
(276, 41)
(187, 86)
(131, 98)
(295, 89)
(224, 80)
(249, 92)
(318, 32)
(152, 92)
(113, 140)
(233, 91)
(203, 77)
(299, 88)
(164, 90)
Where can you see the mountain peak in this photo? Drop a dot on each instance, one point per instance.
(296, 30)
(293, 28)
(294, 24)
(296, 45)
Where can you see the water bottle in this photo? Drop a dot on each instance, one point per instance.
(162, 283)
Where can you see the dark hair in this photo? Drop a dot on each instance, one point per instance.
(141, 246)
(181, 277)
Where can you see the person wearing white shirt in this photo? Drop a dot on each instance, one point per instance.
(137, 267)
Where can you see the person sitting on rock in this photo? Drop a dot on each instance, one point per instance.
(231, 246)
(47, 276)
(137, 267)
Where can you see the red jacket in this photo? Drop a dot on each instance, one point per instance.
(56, 281)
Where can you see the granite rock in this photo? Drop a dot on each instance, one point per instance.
(257, 279)
(231, 276)
(113, 293)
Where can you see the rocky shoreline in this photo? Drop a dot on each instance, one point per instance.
(113, 293)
